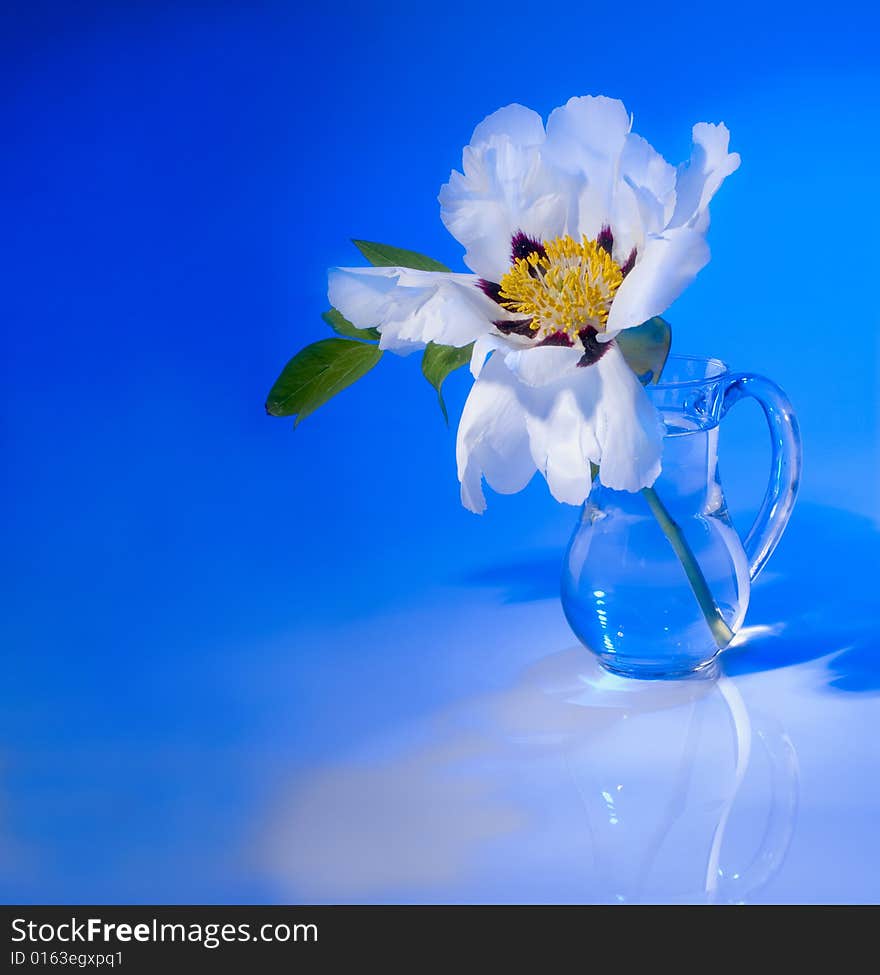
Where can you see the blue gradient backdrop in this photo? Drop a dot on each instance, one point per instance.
(175, 180)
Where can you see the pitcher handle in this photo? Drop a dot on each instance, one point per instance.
(785, 469)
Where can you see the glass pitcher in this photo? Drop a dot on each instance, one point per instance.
(628, 581)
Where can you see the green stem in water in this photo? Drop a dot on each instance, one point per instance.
(720, 630)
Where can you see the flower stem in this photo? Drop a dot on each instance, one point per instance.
(671, 529)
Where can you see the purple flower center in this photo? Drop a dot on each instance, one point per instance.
(521, 245)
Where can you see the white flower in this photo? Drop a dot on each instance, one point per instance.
(573, 232)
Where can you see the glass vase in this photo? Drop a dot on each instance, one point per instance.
(656, 583)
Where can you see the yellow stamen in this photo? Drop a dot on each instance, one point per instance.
(567, 290)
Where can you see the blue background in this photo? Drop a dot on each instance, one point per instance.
(176, 178)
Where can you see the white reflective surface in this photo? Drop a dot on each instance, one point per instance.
(459, 747)
(570, 784)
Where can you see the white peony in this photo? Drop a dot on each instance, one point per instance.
(573, 232)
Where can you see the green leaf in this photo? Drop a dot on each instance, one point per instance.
(646, 348)
(318, 373)
(440, 360)
(384, 255)
(340, 324)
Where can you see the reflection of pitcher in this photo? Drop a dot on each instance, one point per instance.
(628, 583)
(661, 787)
(493, 790)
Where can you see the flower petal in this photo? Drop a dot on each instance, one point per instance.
(666, 266)
(699, 178)
(506, 186)
(669, 260)
(411, 308)
(543, 365)
(521, 125)
(585, 138)
(598, 413)
(651, 182)
(562, 434)
(484, 346)
(492, 440)
(628, 427)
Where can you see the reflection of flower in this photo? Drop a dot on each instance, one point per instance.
(573, 233)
